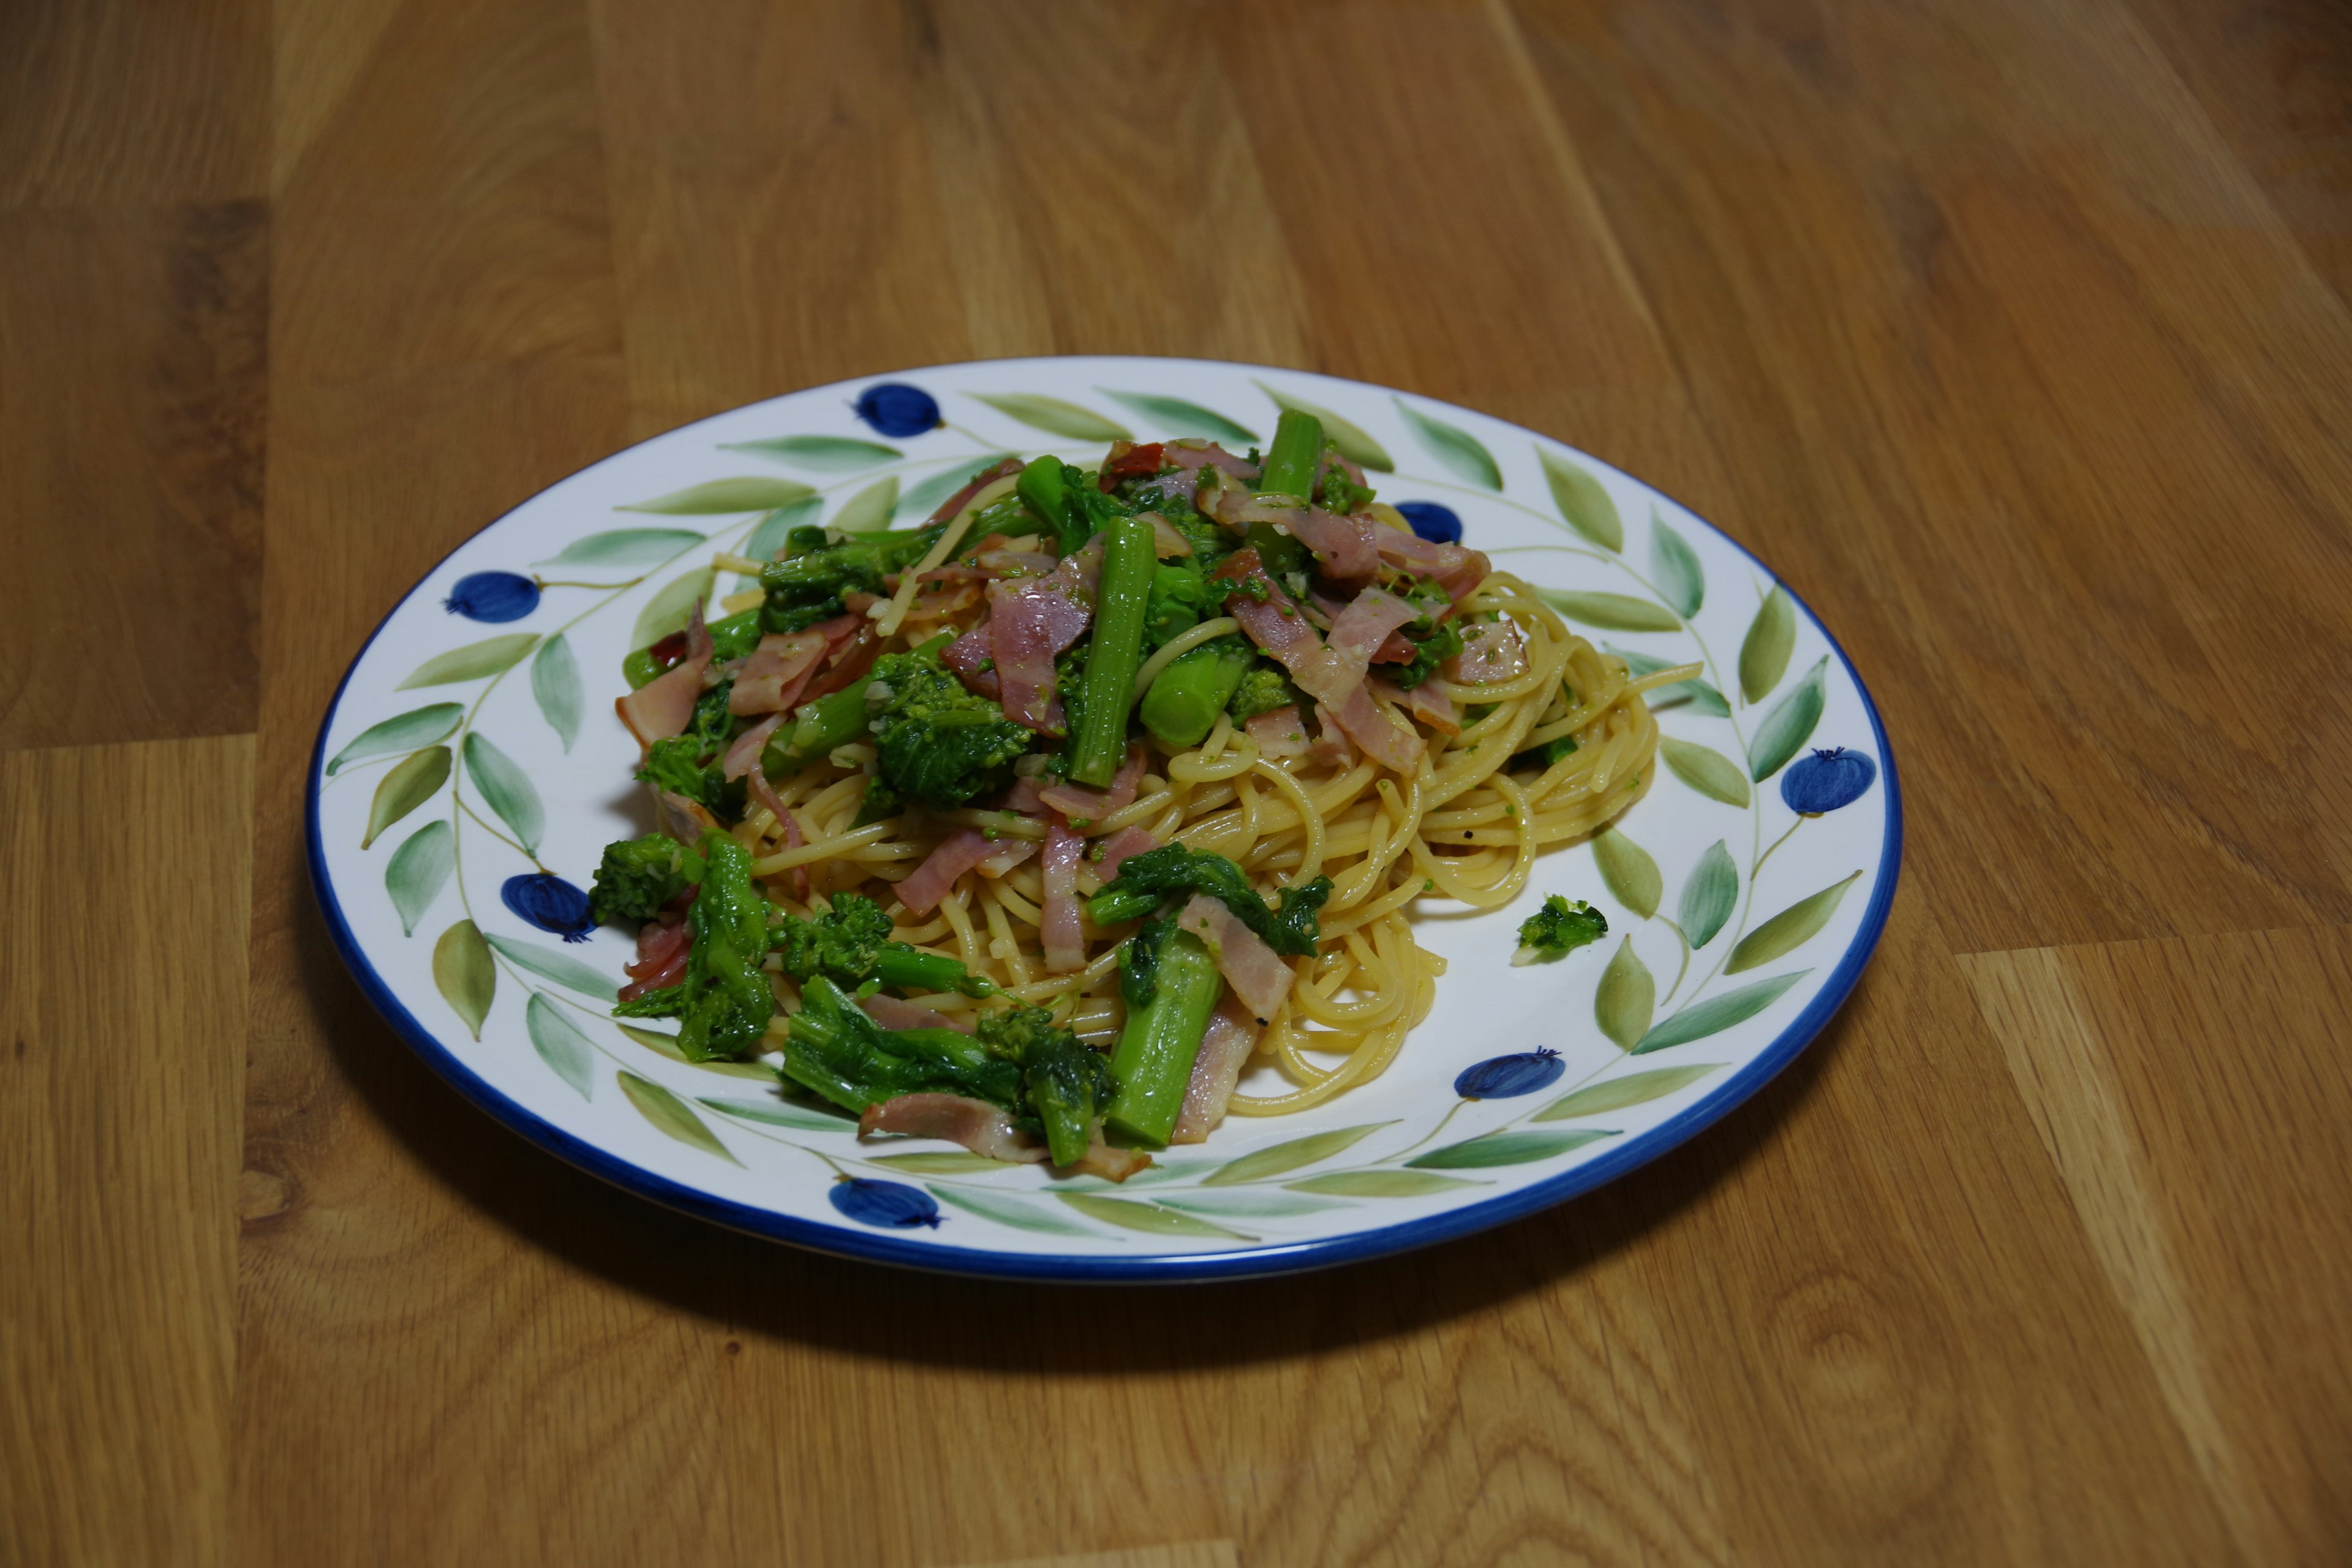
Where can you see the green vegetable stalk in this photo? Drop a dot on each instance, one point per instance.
(836, 1050)
(727, 1002)
(1153, 1060)
(851, 944)
(1063, 1083)
(833, 719)
(1145, 881)
(1291, 461)
(1099, 740)
(1186, 698)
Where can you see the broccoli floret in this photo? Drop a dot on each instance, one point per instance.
(1145, 882)
(1559, 928)
(1065, 1084)
(1434, 642)
(638, 875)
(727, 1002)
(842, 946)
(835, 1049)
(937, 744)
(806, 587)
(689, 764)
(1335, 490)
(1263, 690)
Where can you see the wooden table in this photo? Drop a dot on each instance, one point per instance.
(2014, 332)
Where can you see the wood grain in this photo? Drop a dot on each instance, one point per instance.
(2014, 333)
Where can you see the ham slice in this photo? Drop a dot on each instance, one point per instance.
(1427, 703)
(892, 1013)
(851, 660)
(1279, 733)
(1457, 570)
(1491, 651)
(1029, 623)
(771, 678)
(956, 854)
(1273, 623)
(1330, 747)
(663, 946)
(1345, 544)
(1224, 1051)
(1023, 798)
(1384, 739)
(1191, 457)
(1397, 649)
(966, 655)
(1257, 973)
(1064, 935)
(743, 756)
(664, 706)
(1082, 805)
(764, 793)
(979, 481)
(689, 819)
(1126, 841)
(1347, 652)
(976, 1125)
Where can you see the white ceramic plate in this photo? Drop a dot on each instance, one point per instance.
(478, 723)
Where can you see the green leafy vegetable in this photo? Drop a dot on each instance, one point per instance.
(1558, 929)
(937, 744)
(728, 1002)
(836, 1050)
(1145, 881)
(1263, 688)
(638, 875)
(1062, 1080)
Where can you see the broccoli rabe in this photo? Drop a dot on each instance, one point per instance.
(1434, 642)
(1263, 690)
(689, 764)
(806, 587)
(1061, 1081)
(836, 1050)
(1179, 597)
(937, 744)
(1334, 489)
(1066, 500)
(1559, 928)
(638, 875)
(852, 945)
(1145, 882)
(727, 1001)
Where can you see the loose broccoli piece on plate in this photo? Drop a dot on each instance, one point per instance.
(638, 875)
(1145, 882)
(1559, 928)
(937, 745)
(1065, 1083)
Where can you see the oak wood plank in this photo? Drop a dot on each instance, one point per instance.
(122, 1048)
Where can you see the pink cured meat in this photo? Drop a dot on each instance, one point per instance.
(1347, 652)
(1080, 804)
(1023, 798)
(1383, 739)
(771, 678)
(1193, 456)
(956, 854)
(966, 656)
(1427, 703)
(974, 1124)
(1257, 973)
(892, 1013)
(1273, 623)
(664, 706)
(764, 793)
(1029, 623)
(1116, 849)
(1491, 651)
(1010, 852)
(1064, 936)
(1330, 747)
(1279, 733)
(743, 756)
(1346, 545)
(1225, 1050)
(1015, 562)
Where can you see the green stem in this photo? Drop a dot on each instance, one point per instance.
(1153, 1061)
(1114, 653)
(492, 830)
(1290, 460)
(1676, 926)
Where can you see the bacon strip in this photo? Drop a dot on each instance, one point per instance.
(892, 1013)
(1112, 1165)
(1192, 456)
(1126, 841)
(957, 853)
(664, 706)
(851, 660)
(1064, 938)
(974, 1124)
(1273, 623)
(1346, 544)
(771, 678)
(1080, 804)
(1427, 703)
(1256, 971)
(1029, 623)
(967, 654)
(663, 946)
(1384, 739)
(1491, 651)
(1225, 1050)
(743, 756)
(1361, 630)
(1279, 733)
(1456, 569)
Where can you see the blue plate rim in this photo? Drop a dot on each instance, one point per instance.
(880, 1246)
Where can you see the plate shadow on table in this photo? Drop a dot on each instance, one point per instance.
(746, 1285)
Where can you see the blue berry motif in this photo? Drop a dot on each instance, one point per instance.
(890, 1205)
(1827, 780)
(1503, 1078)
(893, 408)
(551, 903)
(1433, 523)
(493, 596)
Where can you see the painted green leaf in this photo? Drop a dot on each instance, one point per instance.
(1452, 445)
(1710, 772)
(1260, 1164)
(1718, 1013)
(1583, 501)
(409, 784)
(555, 684)
(1702, 696)
(751, 492)
(667, 1044)
(777, 1112)
(669, 608)
(561, 967)
(1681, 580)
(506, 788)
(1161, 1169)
(624, 548)
(1006, 1209)
(405, 733)
(1151, 1217)
(1511, 1148)
(1617, 1094)
(1790, 725)
(1381, 1183)
(1174, 417)
(1708, 896)
(769, 535)
(818, 454)
(1246, 1203)
(946, 1162)
(1631, 876)
(1617, 612)
(1354, 445)
(561, 1045)
(1627, 997)
(418, 870)
(1764, 652)
(921, 500)
(1790, 930)
(464, 974)
(1054, 415)
(870, 508)
(672, 1116)
(472, 662)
